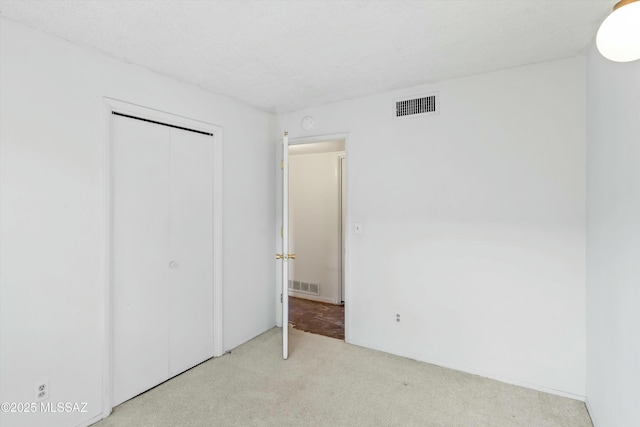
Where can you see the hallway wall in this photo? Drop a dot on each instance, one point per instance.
(314, 194)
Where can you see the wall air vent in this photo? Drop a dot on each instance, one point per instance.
(419, 106)
(304, 287)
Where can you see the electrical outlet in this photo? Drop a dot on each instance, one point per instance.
(397, 318)
(41, 390)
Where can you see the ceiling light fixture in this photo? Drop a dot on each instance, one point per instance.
(618, 38)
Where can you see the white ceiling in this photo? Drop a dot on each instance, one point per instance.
(284, 55)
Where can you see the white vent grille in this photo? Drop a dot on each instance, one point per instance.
(304, 287)
(420, 106)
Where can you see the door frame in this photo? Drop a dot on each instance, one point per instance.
(346, 235)
(111, 105)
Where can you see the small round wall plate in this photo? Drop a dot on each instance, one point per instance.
(307, 123)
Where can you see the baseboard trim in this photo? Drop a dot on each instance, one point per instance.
(93, 420)
(246, 338)
(590, 412)
(310, 297)
(502, 379)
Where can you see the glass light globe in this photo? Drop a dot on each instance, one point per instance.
(618, 38)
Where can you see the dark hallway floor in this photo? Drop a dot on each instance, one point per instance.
(317, 317)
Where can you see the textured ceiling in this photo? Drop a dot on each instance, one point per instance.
(284, 55)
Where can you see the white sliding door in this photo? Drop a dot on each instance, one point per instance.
(191, 275)
(140, 218)
(162, 253)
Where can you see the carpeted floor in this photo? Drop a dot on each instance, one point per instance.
(327, 382)
(317, 317)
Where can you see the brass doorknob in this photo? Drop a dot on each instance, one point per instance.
(279, 256)
(292, 256)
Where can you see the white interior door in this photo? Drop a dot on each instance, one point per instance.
(285, 246)
(140, 227)
(343, 210)
(191, 250)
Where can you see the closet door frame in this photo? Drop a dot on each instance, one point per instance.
(111, 105)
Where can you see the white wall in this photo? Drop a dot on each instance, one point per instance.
(473, 224)
(314, 209)
(51, 166)
(613, 236)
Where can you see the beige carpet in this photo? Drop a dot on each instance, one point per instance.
(327, 382)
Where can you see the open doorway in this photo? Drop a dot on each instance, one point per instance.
(316, 235)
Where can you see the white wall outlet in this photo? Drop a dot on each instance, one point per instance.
(397, 318)
(41, 390)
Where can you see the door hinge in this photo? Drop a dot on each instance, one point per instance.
(282, 165)
(281, 232)
(281, 300)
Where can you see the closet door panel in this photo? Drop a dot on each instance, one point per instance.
(140, 249)
(191, 275)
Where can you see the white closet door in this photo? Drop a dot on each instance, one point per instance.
(140, 227)
(191, 275)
